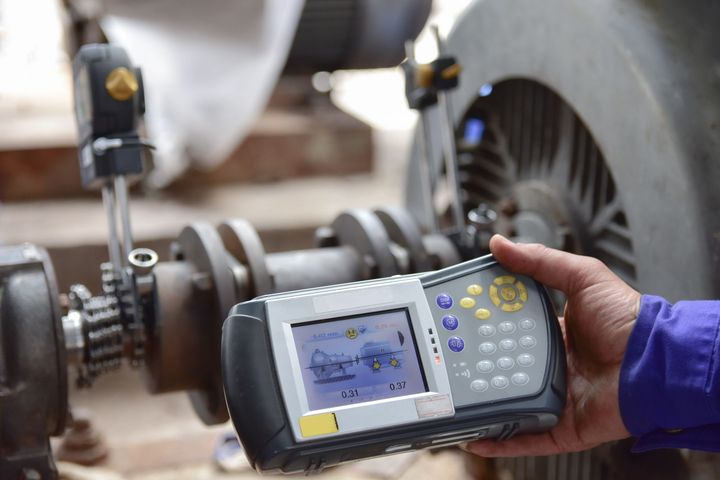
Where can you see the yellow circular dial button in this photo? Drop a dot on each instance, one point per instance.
(508, 293)
(482, 313)
(494, 295)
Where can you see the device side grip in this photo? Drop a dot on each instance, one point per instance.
(251, 392)
(559, 374)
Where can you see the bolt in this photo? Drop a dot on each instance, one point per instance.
(142, 261)
(508, 207)
(325, 237)
(482, 217)
(176, 252)
(369, 266)
(202, 280)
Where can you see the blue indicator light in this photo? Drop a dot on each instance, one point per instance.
(474, 130)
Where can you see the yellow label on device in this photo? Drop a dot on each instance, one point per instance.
(321, 424)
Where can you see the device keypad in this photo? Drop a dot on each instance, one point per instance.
(498, 326)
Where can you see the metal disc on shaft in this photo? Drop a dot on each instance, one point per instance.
(243, 242)
(201, 245)
(364, 231)
(403, 230)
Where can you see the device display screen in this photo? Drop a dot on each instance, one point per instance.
(358, 359)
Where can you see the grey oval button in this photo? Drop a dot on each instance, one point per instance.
(528, 341)
(527, 324)
(479, 385)
(484, 366)
(507, 344)
(500, 382)
(525, 360)
(505, 363)
(506, 327)
(520, 378)
(487, 348)
(486, 330)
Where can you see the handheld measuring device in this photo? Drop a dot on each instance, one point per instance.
(318, 377)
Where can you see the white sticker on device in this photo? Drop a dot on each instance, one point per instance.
(434, 406)
(353, 299)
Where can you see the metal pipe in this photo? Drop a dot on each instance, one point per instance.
(315, 268)
(426, 176)
(427, 170)
(108, 197)
(122, 200)
(449, 149)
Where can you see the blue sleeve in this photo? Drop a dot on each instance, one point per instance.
(670, 377)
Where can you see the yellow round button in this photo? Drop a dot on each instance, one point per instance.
(467, 302)
(508, 293)
(474, 289)
(482, 313)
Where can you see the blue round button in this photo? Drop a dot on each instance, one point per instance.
(456, 344)
(450, 322)
(444, 301)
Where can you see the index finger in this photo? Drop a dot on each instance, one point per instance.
(521, 446)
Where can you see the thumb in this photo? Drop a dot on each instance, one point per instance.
(554, 268)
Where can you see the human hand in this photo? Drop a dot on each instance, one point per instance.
(599, 315)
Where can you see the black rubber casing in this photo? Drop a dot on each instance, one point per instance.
(257, 409)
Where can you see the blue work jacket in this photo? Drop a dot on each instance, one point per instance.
(670, 376)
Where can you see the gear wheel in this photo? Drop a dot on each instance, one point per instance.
(102, 331)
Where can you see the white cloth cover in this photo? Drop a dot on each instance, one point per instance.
(209, 67)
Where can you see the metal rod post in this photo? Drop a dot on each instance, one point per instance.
(124, 207)
(449, 149)
(425, 164)
(108, 196)
(426, 169)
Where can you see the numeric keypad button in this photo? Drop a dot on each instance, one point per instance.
(506, 327)
(500, 382)
(488, 348)
(528, 341)
(485, 366)
(520, 378)
(505, 363)
(525, 360)
(479, 385)
(486, 330)
(527, 324)
(507, 344)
